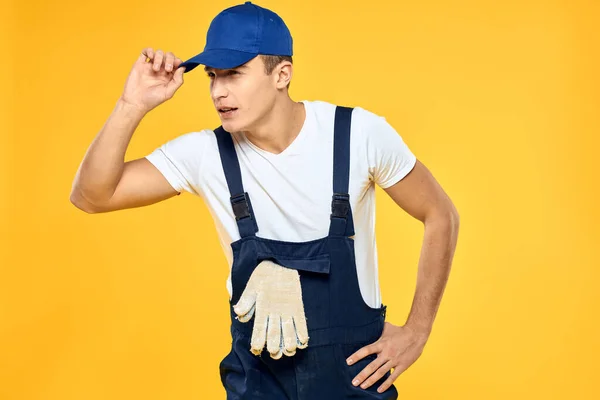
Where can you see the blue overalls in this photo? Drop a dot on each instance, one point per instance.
(339, 321)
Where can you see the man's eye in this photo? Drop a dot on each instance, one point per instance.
(233, 72)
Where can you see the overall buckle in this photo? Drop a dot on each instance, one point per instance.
(240, 205)
(340, 205)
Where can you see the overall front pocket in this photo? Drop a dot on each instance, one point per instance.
(349, 372)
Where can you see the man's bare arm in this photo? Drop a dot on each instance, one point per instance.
(421, 196)
(104, 181)
(141, 184)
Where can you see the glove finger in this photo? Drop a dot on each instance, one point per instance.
(274, 334)
(248, 298)
(246, 302)
(289, 353)
(289, 334)
(301, 332)
(259, 332)
(248, 316)
(277, 355)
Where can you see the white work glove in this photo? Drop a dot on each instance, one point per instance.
(274, 295)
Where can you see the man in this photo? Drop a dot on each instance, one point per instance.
(290, 186)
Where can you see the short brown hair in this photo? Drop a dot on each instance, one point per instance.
(273, 61)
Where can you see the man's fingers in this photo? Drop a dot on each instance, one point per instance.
(373, 372)
(158, 60)
(177, 80)
(363, 352)
(390, 380)
(169, 59)
(147, 53)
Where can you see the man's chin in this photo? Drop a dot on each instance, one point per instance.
(229, 126)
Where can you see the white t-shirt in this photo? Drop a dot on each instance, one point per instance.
(291, 191)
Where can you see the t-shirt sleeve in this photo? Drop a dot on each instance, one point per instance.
(389, 157)
(179, 160)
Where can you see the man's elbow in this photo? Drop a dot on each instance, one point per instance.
(453, 215)
(452, 219)
(446, 214)
(78, 201)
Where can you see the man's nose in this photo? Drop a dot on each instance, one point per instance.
(218, 89)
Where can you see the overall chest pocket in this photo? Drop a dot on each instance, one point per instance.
(318, 264)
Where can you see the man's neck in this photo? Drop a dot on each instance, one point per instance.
(280, 127)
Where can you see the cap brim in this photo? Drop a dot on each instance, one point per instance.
(219, 59)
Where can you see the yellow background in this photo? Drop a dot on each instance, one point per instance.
(499, 99)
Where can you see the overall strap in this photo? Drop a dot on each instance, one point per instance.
(240, 201)
(341, 213)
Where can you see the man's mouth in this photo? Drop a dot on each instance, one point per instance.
(227, 110)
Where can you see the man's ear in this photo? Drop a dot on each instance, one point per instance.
(283, 74)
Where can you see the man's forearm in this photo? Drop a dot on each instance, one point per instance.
(102, 166)
(439, 242)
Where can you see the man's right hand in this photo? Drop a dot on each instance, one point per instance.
(154, 79)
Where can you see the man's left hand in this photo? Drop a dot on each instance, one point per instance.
(398, 348)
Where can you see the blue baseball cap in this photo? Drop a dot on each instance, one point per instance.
(240, 33)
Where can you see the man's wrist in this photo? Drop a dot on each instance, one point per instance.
(130, 108)
(419, 328)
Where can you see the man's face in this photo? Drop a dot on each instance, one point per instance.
(242, 95)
